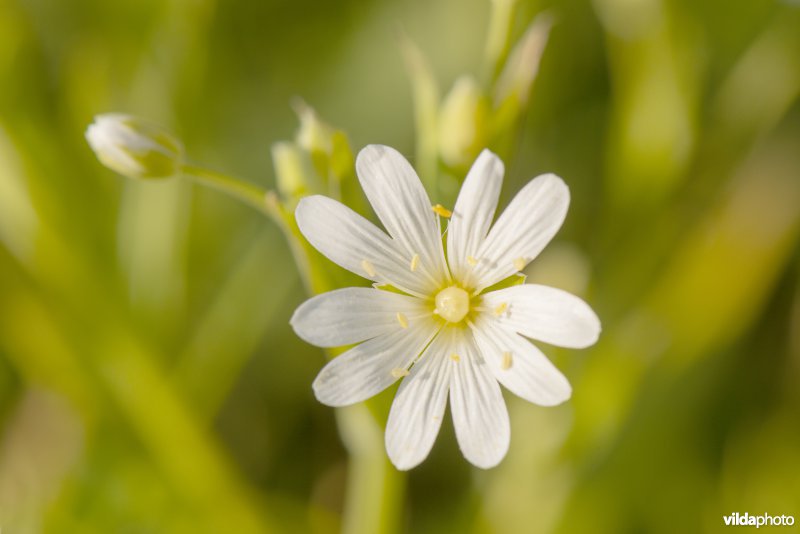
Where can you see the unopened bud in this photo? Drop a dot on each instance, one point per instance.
(134, 148)
(328, 147)
(522, 64)
(463, 123)
(314, 134)
(293, 174)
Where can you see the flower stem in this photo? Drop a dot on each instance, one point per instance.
(375, 489)
(249, 194)
(267, 202)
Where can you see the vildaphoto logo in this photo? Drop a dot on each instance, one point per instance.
(764, 520)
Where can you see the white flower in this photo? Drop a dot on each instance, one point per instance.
(133, 147)
(440, 328)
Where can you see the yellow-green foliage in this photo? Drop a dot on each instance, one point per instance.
(149, 379)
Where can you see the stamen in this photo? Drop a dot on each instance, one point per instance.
(402, 320)
(472, 261)
(442, 211)
(455, 357)
(399, 372)
(368, 267)
(414, 263)
(500, 309)
(507, 362)
(519, 264)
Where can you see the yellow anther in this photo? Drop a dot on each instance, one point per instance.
(442, 211)
(455, 357)
(368, 268)
(520, 263)
(402, 320)
(414, 263)
(507, 362)
(399, 372)
(472, 261)
(500, 309)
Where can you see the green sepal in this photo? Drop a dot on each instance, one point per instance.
(516, 279)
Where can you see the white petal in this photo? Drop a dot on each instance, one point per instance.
(349, 240)
(403, 206)
(419, 405)
(353, 314)
(366, 370)
(545, 314)
(521, 232)
(473, 212)
(520, 366)
(479, 411)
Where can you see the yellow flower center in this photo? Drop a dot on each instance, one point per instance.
(452, 304)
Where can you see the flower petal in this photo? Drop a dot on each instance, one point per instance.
(353, 314)
(479, 411)
(403, 206)
(521, 232)
(545, 314)
(473, 212)
(419, 405)
(366, 370)
(520, 366)
(351, 241)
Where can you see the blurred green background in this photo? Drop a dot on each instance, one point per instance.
(150, 382)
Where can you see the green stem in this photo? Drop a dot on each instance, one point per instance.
(267, 202)
(375, 489)
(249, 194)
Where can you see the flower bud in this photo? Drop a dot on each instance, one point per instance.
(293, 175)
(328, 150)
(134, 148)
(522, 65)
(328, 147)
(463, 123)
(314, 135)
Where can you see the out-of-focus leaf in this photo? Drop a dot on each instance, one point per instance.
(425, 93)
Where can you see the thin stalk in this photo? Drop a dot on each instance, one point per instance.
(247, 193)
(375, 489)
